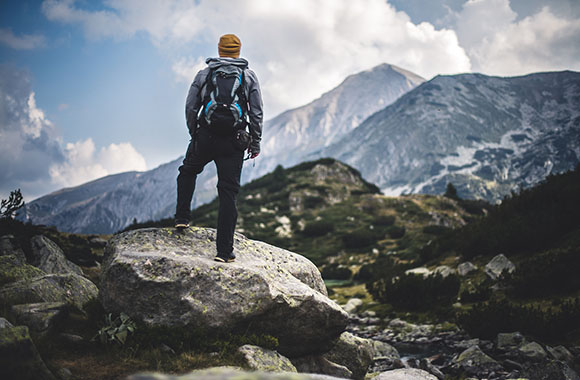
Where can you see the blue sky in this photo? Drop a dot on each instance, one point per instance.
(90, 88)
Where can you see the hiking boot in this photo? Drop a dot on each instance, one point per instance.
(225, 259)
(181, 223)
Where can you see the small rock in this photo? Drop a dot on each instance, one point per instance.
(498, 265)
(4, 323)
(420, 271)
(426, 365)
(510, 341)
(320, 365)
(444, 271)
(384, 350)
(473, 361)
(352, 305)
(48, 256)
(353, 352)
(561, 353)
(41, 318)
(261, 359)
(72, 338)
(465, 268)
(533, 352)
(64, 374)
(406, 374)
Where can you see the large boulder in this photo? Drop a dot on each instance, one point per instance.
(13, 268)
(405, 374)
(465, 268)
(498, 265)
(41, 318)
(354, 353)
(48, 256)
(72, 289)
(19, 358)
(166, 277)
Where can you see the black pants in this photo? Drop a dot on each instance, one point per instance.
(228, 160)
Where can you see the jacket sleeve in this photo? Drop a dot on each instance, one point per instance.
(193, 101)
(255, 110)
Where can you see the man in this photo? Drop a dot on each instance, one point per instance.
(215, 120)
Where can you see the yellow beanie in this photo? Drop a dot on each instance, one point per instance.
(229, 46)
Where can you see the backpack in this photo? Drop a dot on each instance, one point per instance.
(224, 108)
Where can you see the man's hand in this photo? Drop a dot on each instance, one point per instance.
(254, 154)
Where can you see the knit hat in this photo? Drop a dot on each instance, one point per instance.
(229, 46)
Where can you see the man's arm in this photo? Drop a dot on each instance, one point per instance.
(193, 101)
(255, 112)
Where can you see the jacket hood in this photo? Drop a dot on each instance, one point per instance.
(214, 63)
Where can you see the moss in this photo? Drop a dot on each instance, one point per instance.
(11, 270)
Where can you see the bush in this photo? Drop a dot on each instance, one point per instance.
(336, 272)
(313, 202)
(8, 207)
(396, 232)
(318, 228)
(486, 320)
(416, 293)
(359, 238)
(479, 293)
(385, 220)
(435, 229)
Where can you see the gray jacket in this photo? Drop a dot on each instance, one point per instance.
(251, 89)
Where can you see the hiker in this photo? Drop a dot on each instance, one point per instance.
(223, 100)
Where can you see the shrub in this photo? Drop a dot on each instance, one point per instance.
(336, 272)
(435, 229)
(313, 202)
(396, 232)
(478, 293)
(417, 293)
(359, 238)
(486, 320)
(8, 207)
(318, 228)
(385, 220)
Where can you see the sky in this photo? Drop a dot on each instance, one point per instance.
(90, 88)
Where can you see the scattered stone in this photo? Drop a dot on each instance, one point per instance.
(19, 358)
(261, 359)
(420, 271)
(384, 350)
(498, 265)
(4, 323)
(13, 269)
(48, 256)
(561, 353)
(227, 373)
(444, 271)
(533, 352)
(320, 365)
(426, 365)
(474, 361)
(41, 318)
(169, 278)
(9, 246)
(72, 289)
(406, 374)
(465, 268)
(354, 353)
(352, 305)
(510, 341)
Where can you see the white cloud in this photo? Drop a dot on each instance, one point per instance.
(83, 162)
(23, 42)
(33, 156)
(298, 48)
(499, 45)
(185, 68)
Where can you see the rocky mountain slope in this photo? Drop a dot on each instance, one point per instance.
(112, 203)
(487, 135)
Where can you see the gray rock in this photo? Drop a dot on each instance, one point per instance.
(473, 361)
(64, 374)
(384, 350)
(444, 271)
(225, 373)
(19, 358)
(97, 242)
(352, 305)
(498, 265)
(551, 370)
(560, 353)
(419, 271)
(354, 353)
(465, 268)
(406, 374)
(261, 359)
(72, 289)
(426, 365)
(9, 246)
(510, 341)
(4, 323)
(48, 256)
(13, 269)
(41, 318)
(72, 338)
(320, 365)
(532, 352)
(169, 278)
